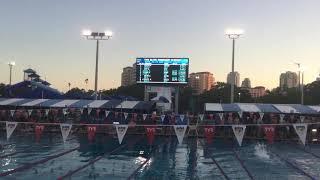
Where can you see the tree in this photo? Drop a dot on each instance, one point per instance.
(2, 89)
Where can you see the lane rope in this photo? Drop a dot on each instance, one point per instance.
(242, 164)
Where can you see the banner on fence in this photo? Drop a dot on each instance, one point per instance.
(39, 129)
(91, 132)
(10, 127)
(239, 131)
(65, 131)
(209, 132)
(150, 134)
(121, 131)
(301, 130)
(269, 132)
(180, 130)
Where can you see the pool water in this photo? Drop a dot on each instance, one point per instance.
(165, 159)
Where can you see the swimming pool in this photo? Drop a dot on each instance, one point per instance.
(166, 159)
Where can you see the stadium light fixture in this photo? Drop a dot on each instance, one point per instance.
(97, 36)
(233, 34)
(11, 64)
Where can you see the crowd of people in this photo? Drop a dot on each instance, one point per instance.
(254, 121)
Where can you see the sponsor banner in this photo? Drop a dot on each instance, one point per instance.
(39, 130)
(240, 113)
(107, 113)
(239, 131)
(144, 116)
(182, 117)
(301, 130)
(180, 130)
(65, 131)
(125, 115)
(201, 117)
(121, 131)
(162, 117)
(209, 132)
(12, 112)
(221, 116)
(150, 134)
(269, 131)
(10, 127)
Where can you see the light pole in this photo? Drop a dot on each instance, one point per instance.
(301, 77)
(233, 34)
(97, 36)
(11, 64)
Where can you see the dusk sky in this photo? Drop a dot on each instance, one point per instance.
(46, 36)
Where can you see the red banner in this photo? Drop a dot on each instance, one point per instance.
(269, 132)
(209, 132)
(150, 134)
(91, 132)
(39, 129)
(211, 116)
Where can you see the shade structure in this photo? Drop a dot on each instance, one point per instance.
(265, 108)
(75, 103)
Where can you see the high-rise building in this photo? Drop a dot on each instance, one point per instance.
(246, 83)
(258, 91)
(288, 80)
(201, 82)
(128, 76)
(236, 77)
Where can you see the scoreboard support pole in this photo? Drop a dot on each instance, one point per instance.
(146, 94)
(176, 101)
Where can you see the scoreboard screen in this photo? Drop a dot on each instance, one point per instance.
(162, 70)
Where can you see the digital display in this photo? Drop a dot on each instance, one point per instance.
(162, 70)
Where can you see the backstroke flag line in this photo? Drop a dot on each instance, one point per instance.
(144, 116)
(261, 114)
(121, 131)
(180, 130)
(65, 131)
(182, 117)
(301, 130)
(201, 117)
(238, 131)
(162, 117)
(221, 116)
(10, 127)
(107, 113)
(240, 114)
(125, 115)
(29, 112)
(12, 112)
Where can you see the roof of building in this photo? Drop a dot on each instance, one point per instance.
(265, 108)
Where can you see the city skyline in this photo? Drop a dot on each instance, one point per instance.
(46, 36)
